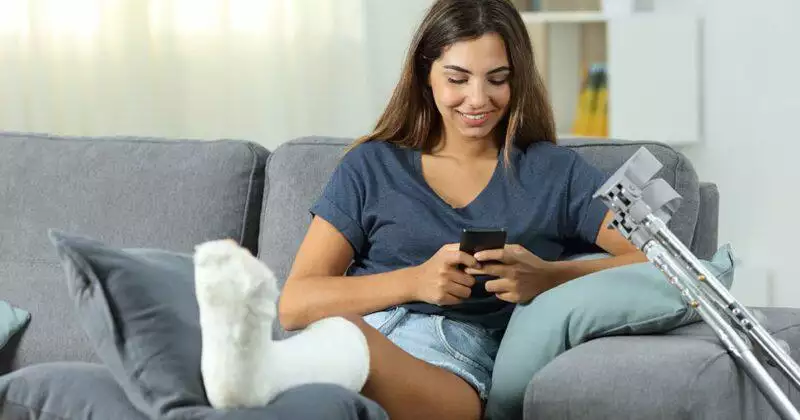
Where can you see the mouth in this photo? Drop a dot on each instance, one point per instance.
(474, 119)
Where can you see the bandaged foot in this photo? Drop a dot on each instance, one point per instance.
(241, 365)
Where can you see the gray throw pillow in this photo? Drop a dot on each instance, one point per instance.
(64, 390)
(139, 310)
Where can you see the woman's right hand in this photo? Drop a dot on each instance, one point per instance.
(440, 280)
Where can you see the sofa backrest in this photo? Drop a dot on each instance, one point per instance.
(298, 170)
(127, 192)
(608, 156)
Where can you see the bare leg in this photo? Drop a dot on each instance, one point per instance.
(241, 366)
(408, 388)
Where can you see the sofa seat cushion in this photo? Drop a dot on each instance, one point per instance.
(135, 192)
(64, 390)
(83, 391)
(684, 374)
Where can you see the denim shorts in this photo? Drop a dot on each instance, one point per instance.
(465, 349)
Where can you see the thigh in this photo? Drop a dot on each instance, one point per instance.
(410, 388)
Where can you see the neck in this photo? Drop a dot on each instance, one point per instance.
(466, 148)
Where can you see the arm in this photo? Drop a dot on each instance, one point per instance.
(523, 275)
(317, 288)
(623, 253)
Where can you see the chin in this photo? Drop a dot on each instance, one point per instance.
(475, 134)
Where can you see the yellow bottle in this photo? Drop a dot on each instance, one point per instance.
(598, 123)
(580, 124)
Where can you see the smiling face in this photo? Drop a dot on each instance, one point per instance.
(470, 85)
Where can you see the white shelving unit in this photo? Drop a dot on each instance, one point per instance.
(654, 70)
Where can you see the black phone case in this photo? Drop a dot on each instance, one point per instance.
(476, 240)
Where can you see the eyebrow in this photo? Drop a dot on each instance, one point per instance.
(463, 70)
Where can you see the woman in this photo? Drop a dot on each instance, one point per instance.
(467, 140)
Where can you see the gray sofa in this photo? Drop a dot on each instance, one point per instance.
(173, 194)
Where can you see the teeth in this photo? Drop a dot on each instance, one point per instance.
(475, 117)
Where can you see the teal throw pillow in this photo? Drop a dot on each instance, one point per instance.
(632, 299)
(13, 321)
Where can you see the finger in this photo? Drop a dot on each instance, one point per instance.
(451, 247)
(504, 256)
(461, 278)
(459, 290)
(460, 257)
(510, 254)
(501, 285)
(508, 297)
(449, 299)
(497, 270)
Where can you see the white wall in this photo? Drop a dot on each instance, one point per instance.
(331, 72)
(751, 144)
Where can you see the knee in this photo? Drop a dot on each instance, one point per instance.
(372, 335)
(358, 321)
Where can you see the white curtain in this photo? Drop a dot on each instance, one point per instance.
(263, 70)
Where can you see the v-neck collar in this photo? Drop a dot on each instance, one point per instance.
(475, 204)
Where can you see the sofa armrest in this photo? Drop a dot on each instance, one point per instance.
(704, 242)
(685, 373)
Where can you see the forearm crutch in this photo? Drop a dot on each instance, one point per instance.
(642, 208)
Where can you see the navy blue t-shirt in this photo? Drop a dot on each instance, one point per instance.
(379, 200)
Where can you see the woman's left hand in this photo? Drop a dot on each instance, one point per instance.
(521, 274)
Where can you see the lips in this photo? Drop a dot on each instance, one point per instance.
(474, 119)
(475, 116)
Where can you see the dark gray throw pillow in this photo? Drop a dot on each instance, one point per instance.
(139, 310)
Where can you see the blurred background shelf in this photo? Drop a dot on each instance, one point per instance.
(563, 17)
(650, 64)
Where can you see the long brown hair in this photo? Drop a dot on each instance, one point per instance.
(411, 118)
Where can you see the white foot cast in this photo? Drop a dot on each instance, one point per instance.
(241, 365)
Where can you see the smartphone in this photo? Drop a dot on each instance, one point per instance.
(476, 240)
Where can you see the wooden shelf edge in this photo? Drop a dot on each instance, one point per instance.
(563, 17)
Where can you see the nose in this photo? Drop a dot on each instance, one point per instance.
(477, 97)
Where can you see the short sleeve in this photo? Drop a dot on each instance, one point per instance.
(584, 214)
(341, 204)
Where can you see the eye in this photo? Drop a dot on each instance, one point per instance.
(499, 82)
(457, 81)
